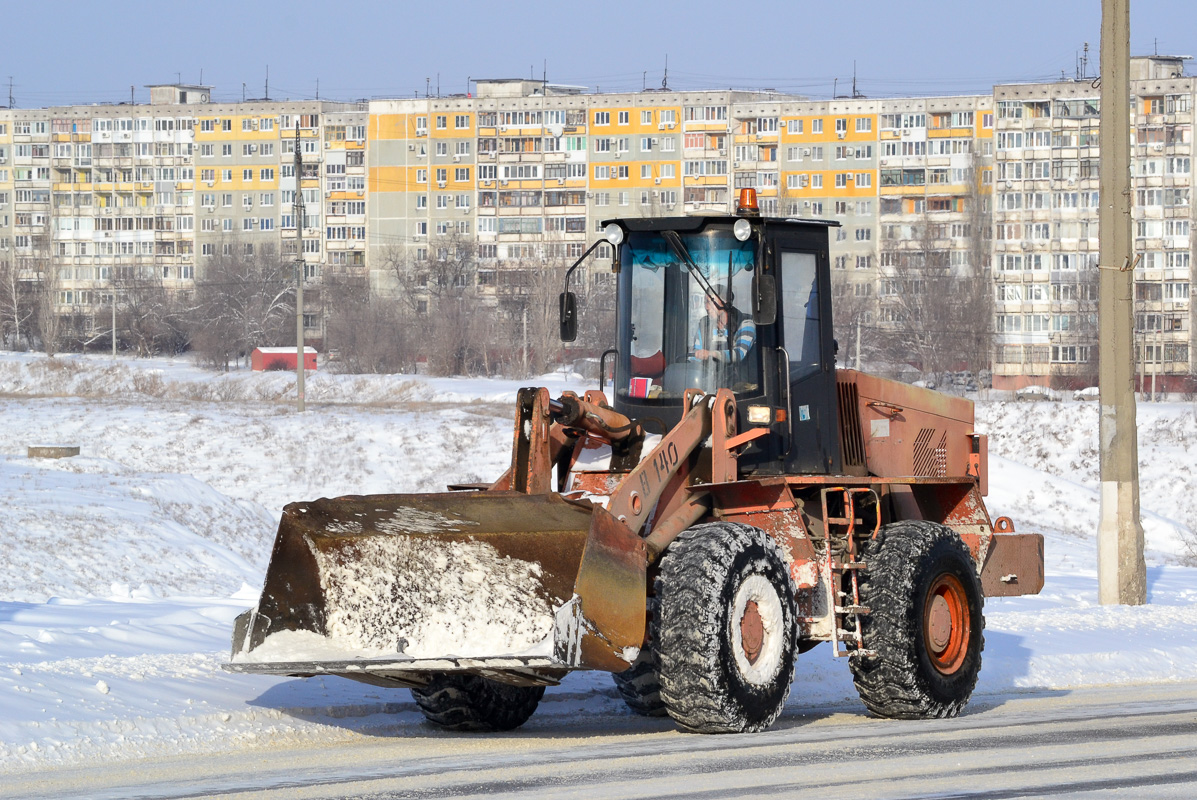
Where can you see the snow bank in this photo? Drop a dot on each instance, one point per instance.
(182, 474)
(75, 527)
(33, 375)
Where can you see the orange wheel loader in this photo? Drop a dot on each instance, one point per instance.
(734, 501)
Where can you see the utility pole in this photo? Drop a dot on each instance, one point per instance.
(116, 262)
(858, 342)
(1121, 571)
(297, 211)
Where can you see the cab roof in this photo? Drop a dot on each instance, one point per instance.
(697, 221)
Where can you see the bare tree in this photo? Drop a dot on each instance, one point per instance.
(243, 300)
(148, 316)
(439, 288)
(854, 305)
(17, 301)
(938, 315)
(42, 264)
(366, 333)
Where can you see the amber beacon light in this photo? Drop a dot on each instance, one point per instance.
(747, 205)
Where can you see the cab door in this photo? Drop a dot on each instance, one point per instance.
(805, 362)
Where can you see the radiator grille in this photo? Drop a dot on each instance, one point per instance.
(931, 457)
(851, 440)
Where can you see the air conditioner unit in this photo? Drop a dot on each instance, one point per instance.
(253, 148)
(561, 181)
(661, 126)
(1157, 147)
(360, 193)
(208, 183)
(806, 204)
(503, 182)
(671, 125)
(328, 194)
(784, 123)
(411, 147)
(441, 184)
(327, 145)
(806, 151)
(492, 154)
(657, 181)
(906, 133)
(617, 155)
(456, 159)
(654, 141)
(465, 210)
(589, 194)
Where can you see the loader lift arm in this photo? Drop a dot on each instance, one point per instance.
(652, 499)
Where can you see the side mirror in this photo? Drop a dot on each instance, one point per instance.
(766, 299)
(568, 306)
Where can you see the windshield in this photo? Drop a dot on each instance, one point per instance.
(684, 334)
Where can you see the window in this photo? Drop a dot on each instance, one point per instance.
(461, 121)
(461, 174)
(646, 117)
(442, 122)
(247, 174)
(624, 118)
(602, 118)
(864, 124)
(816, 126)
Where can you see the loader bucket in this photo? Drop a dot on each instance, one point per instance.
(514, 586)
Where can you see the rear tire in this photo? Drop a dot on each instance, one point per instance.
(725, 625)
(925, 624)
(462, 702)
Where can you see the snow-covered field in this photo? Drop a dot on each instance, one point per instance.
(125, 566)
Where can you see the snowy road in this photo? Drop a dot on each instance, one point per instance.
(1131, 741)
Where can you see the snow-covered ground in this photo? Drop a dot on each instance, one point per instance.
(124, 567)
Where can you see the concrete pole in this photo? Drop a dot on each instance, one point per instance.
(1121, 571)
(858, 343)
(298, 212)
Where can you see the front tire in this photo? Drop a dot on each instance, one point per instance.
(463, 702)
(926, 623)
(640, 684)
(725, 626)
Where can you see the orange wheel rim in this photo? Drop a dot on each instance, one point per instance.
(946, 624)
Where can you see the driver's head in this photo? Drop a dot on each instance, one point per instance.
(721, 290)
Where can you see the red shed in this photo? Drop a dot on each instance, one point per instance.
(263, 358)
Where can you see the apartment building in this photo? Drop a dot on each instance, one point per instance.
(1046, 227)
(105, 194)
(529, 170)
(1003, 184)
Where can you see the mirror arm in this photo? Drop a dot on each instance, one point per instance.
(569, 272)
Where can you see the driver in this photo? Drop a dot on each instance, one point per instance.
(724, 334)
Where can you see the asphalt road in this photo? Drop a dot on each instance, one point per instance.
(1127, 741)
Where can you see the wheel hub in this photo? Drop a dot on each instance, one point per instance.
(752, 632)
(939, 624)
(946, 624)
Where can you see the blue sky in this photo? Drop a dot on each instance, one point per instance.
(93, 52)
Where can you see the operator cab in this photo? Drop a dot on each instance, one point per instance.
(736, 302)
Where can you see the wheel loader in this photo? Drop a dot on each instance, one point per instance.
(729, 502)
